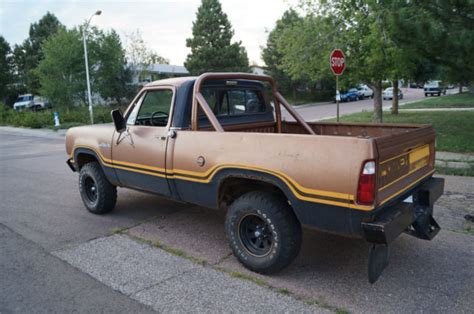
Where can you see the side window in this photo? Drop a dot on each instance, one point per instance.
(155, 108)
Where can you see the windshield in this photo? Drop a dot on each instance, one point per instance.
(24, 98)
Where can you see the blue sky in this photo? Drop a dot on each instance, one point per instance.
(164, 24)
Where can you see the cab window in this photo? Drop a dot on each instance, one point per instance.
(154, 109)
(234, 102)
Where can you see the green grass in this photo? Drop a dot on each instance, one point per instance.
(464, 100)
(454, 129)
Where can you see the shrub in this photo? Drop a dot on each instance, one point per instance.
(45, 118)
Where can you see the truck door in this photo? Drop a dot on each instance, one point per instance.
(139, 153)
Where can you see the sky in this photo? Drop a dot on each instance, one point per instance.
(164, 24)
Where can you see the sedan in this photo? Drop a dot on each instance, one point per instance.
(388, 93)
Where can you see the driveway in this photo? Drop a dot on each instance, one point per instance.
(151, 254)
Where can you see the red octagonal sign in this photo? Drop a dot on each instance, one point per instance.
(337, 61)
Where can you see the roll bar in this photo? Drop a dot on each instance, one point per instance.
(278, 100)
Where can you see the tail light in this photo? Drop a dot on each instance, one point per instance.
(366, 187)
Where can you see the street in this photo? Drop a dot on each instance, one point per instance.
(153, 254)
(328, 110)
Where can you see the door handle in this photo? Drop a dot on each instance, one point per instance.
(171, 134)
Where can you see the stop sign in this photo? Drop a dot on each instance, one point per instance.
(337, 61)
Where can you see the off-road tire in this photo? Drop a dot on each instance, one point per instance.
(106, 193)
(284, 227)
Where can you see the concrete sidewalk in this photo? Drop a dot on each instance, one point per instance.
(169, 283)
(455, 160)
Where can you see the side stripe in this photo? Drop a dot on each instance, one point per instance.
(300, 192)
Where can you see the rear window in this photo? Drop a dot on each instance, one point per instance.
(233, 102)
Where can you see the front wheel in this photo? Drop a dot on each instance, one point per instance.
(263, 232)
(97, 193)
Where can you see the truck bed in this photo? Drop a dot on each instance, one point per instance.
(405, 152)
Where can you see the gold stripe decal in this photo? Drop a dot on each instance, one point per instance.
(345, 200)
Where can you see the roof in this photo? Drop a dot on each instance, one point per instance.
(167, 69)
(174, 81)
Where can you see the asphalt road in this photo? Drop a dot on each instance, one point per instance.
(56, 257)
(319, 111)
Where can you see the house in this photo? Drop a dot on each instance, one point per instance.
(255, 69)
(157, 72)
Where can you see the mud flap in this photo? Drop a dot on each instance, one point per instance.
(378, 261)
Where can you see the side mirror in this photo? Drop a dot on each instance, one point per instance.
(119, 121)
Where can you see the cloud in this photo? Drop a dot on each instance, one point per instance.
(165, 25)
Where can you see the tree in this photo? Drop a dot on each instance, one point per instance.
(139, 55)
(61, 71)
(112, 75)
(440, 31)
(30, 53)
(272, 55)
(5, 68)
(211, 47)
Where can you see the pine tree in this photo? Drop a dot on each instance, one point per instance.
(211, 46)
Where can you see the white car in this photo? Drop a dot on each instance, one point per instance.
(388, 93)
(365, 92)
(28, 101)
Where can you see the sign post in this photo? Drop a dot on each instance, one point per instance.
(337, 62)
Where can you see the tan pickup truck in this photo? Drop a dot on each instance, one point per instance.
(219, 141)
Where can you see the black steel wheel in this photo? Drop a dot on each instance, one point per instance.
(97, 193)
(90, 189)
(256, 235)
(263, 231)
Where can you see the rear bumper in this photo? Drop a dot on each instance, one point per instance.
(414, 218)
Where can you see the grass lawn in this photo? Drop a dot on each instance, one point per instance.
(454, 129)
(464, 100)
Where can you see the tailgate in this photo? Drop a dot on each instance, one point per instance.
(405, 159)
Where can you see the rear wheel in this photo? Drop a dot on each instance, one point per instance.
(263, 232)
(97, 193)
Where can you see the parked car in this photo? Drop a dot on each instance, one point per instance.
(217, 141)
(388, 93)
(31, 102)
(432, 88)
(416, 85)
(351, 95)
(365, 92)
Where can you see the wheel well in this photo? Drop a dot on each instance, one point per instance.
(232, 188)
(84, 158)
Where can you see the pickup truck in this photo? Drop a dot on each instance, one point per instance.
(432, 88)
(31, 102)
(219, 141)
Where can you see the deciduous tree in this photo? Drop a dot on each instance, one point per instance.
(6, 67)
(139, 55)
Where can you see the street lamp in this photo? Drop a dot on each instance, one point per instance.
(84, 30)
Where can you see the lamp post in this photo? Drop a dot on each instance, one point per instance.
(89, 96)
